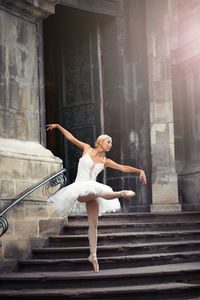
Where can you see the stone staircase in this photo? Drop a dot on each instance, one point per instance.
(141, 256)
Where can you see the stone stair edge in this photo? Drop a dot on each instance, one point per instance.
(143, 271)
(133, 224)
(140, 214)
(127, 245)
(75, 236)
(167, 287)
(110, 258)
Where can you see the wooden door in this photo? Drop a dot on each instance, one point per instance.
(78, 80)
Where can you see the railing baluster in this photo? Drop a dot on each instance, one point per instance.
(55, 179)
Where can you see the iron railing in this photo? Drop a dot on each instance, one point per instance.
(52, 180)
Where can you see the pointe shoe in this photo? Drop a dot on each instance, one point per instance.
(93, 260)
(127, 194)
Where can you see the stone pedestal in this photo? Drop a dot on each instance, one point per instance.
(23, 164)
(164, 177)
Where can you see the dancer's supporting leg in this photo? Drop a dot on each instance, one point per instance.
(93, 211)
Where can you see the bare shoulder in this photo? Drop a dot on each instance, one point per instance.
(86, 148)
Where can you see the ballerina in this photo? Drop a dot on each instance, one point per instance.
(99, 198)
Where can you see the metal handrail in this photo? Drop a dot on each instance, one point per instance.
(54, 179)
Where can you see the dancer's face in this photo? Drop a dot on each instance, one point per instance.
(107, 144)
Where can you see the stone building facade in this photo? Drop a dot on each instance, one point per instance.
(129, 68)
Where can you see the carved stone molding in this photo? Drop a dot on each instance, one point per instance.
(31, 8)
(108, 7)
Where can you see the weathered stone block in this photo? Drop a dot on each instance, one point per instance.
(13, 71)
(33, 211)
(22, 32)
(162, 155)
(165, 192)
(15, 249)
(54, 168)
(50, 227)
(6, 168)
(8, 189)
(26, 229)
(36, 167)
(25, 98)
(161, 112)
(53, 214)
(16, 212)
(23, 185)
(159, 133)
(163, 208)
(21, 123)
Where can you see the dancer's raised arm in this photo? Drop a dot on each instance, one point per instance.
(111, 164)
(68, 136)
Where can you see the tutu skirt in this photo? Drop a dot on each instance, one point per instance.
(64, 200)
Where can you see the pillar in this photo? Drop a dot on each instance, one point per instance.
(164, 177)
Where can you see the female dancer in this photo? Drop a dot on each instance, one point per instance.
(97, 196)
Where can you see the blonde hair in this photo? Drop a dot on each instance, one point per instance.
(101, 138)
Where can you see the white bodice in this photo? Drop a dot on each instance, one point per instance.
(88, 169)
(65, 201)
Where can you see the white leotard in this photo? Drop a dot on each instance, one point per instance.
(64, 200)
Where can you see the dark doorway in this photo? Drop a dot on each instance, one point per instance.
(72, 81)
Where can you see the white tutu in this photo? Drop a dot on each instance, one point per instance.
(64, 199)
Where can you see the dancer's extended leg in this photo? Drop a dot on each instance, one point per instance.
(108, 195)
(93, 211)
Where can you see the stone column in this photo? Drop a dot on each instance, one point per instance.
(164, 177)
(23, 157)
(24, 160)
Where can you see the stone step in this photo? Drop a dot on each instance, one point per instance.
(165, 291)
(139, 217)
(132, 227)
(129, 261)
(117, 250)
(124, 238)
(106, 278)
(162, 250)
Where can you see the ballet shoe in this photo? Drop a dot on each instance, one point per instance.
(128, 194)
(93, 260)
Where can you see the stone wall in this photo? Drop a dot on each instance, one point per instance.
(30, 224)
(24, 160)
(22, 155)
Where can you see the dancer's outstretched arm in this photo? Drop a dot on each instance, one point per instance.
(69, 136)
(111, 164)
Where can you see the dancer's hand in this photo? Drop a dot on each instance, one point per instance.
(51, 126)
(143, 177)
